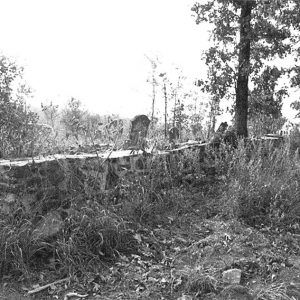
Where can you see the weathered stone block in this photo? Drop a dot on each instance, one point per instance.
(232, 276)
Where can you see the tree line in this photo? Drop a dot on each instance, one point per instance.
(250, 41)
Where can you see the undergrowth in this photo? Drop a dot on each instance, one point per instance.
(86, 239)
(261, 186)
(257, 184)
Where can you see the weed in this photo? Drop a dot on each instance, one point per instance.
(262, 186)
(90, 236)
(274, 291)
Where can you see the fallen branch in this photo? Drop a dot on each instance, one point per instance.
(41, 288)
(74, 295)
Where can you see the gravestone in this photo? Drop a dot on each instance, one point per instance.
(173, 134)
(219, 134)
(230, 137)
(222, 128)
(138, 133)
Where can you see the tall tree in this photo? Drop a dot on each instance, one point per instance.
(241, 104)
(16, 120)
(265, 102)
(296, 106)
(154, 76)
(51, 113)
(246, 34)
(73, 118)
(165, 81)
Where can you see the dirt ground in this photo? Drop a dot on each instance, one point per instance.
(185, 260)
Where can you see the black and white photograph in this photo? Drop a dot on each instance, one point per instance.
(149, 150)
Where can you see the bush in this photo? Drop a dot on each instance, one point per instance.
(16, 120)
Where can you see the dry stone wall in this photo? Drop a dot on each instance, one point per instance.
(42, 186)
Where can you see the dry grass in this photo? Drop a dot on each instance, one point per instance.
(274, 291)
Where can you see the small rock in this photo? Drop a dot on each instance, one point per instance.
(232, 276)
(10, 198)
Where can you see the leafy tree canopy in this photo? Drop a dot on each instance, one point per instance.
(269, 29)
(16, 120)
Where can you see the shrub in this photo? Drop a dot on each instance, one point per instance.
(16, 120)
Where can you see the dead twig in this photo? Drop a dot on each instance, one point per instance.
(69, 295)
(41, 288)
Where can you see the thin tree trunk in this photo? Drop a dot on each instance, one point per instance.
(214, 108)
(166, 106)
(153, 100)
(174, 112)
(241, 108)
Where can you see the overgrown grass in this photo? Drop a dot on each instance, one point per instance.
(275, 291)
(88, 237)
(262, 185)
(256, 183)
(91, 236)
(167, 187)
(15, 245)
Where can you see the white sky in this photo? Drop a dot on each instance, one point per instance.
(94, 50)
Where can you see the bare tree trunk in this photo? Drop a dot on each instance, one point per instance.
(166, 106)
(179, 120)
(153, 99)
(241, 107)
(174, 114)
(153, 63)
(214, 109)
(214, 121)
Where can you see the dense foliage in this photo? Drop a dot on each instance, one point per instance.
(248, 37)
(173, 229)
(17, 122)
(186, 220)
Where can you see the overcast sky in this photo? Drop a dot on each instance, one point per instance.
(95, 50)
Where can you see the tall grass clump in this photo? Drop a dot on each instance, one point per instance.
(15, 245)
(91, 236)
(144, 198)
(262, 185)
(163, 189)
(88, 237)
(294, 140)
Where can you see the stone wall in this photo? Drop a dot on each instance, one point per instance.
(42, 186)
